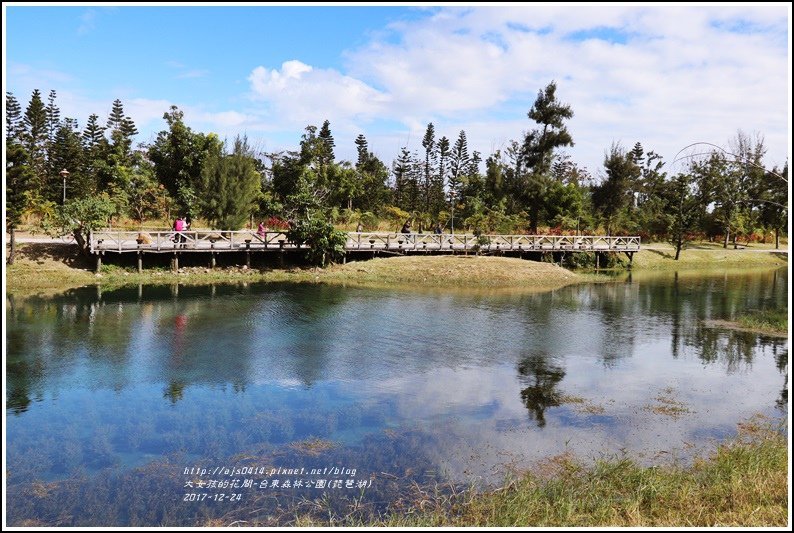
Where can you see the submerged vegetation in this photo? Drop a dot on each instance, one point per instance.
(744, 483)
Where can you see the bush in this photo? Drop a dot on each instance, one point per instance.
(325, 244)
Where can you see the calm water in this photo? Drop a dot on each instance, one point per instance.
(117, 401)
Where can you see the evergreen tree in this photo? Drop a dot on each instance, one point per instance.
(327, 155)
(53, 116)
(235, 185)
(35, 139)
(440, 178)
(14, 124)
(19, 180)
(611, 196)
(429, 144)
(538, 149)
(362, 149)
(67, 153)
(458, 166)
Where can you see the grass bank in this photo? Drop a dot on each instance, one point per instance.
(743, 483)
(769, 322)
(657, 256)
(49, 268)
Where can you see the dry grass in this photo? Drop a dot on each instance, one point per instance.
(707, 255)
(49, 268)
(453, 271)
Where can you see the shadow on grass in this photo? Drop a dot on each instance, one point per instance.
(68, 254)
(659, 252)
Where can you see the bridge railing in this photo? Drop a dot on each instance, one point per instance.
(212, 240)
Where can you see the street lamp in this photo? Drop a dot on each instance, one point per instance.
(64, 174)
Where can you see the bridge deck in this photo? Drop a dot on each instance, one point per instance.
(236, 241)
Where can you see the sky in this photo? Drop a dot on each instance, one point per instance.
(666, 76)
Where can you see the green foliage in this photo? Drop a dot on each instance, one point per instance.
(19, 181)
(231, 184)
(325, 243)
(79, 217)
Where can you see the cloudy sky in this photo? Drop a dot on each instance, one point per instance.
(664, 76)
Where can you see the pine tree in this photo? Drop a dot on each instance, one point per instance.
(93, 134)
(14, 125)
(235, 184)
(35, 139)
(440, 178)
(401, 169)
(19, 180)
(429, 144)
(362, 148)
(53, 116)
(66, 152)
(458, 165)
(327, 157)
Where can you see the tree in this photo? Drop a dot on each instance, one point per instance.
(122, 130)
(66, 152)
(53, 116)
(684, 210)
(178, 155)
(441, 176)
(537, 152)
(540, 143)
(774, 198)
(80, 216)
(324, 243)
(35, 138)
(19, 180)
(612, 195)
(362, 149)
(327, 154)
(235, 185)
(429, 144)
(14, 124)
(458, 164)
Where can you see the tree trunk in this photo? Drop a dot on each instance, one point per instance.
(777, 238)
(80, 240)
(13, 246)
(727, 238)
(678, 245)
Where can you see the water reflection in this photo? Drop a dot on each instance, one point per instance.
(542, 378)
(455, 385)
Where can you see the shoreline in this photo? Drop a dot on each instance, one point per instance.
(51, 268)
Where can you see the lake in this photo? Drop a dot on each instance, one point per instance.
(195, 405)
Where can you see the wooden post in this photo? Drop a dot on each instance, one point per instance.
(175, 262)
(597, 260)
(98, 263)
(212, 259)
(140, 262)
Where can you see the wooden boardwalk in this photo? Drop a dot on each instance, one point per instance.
(110, 241)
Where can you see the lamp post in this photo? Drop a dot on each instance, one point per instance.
(64, 174)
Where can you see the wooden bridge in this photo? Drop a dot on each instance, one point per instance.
(375, 243)
(225, 241)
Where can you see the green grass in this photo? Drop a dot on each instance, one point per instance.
(743, 483)
(768, 320)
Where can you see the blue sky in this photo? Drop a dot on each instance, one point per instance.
(664, 76)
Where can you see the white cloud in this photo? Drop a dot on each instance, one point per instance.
(661, 76)
(299, 94)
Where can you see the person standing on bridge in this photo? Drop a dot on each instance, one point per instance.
(179, 227)
(406, 227)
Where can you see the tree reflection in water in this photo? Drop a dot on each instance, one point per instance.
(542, 377)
